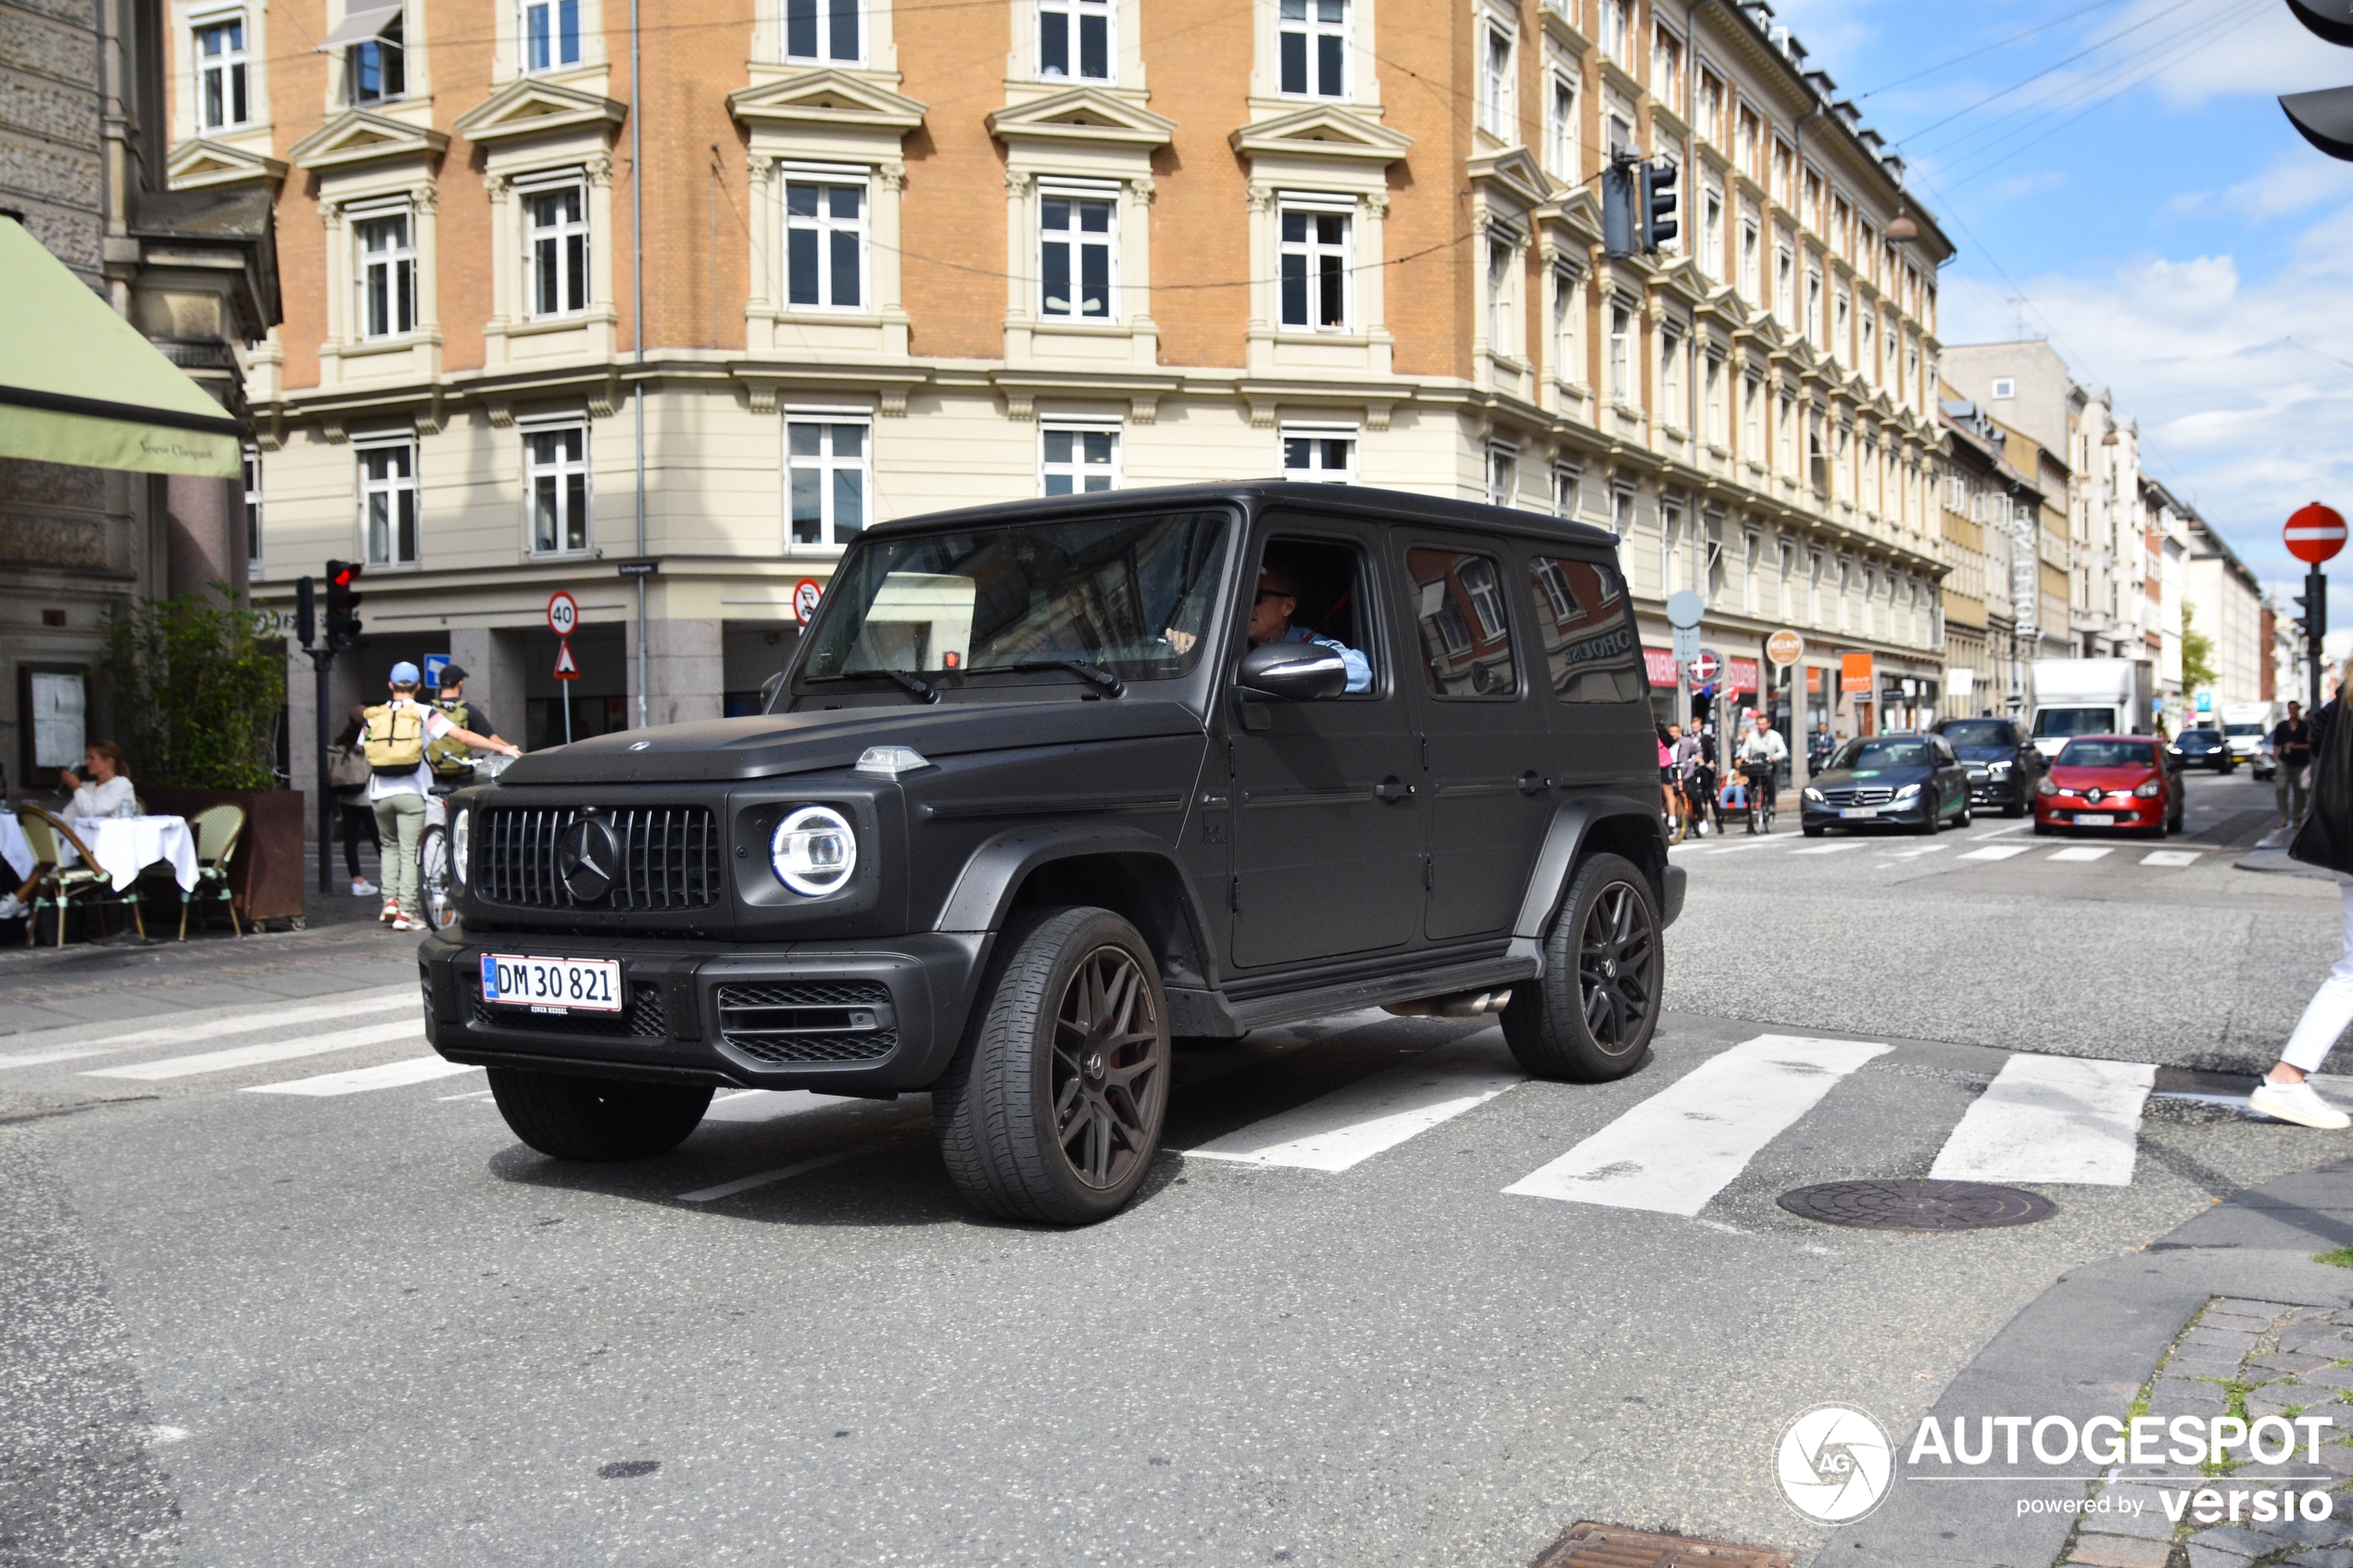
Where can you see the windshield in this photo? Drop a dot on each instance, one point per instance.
(2247, 729)
(1980, 732)
(2074, 721)
(1866, 754)
(2108, 753)
(2201, 737)
(1131, 595)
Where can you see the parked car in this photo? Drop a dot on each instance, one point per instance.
(2110, 782)
(2206, 749)
(2002, 763)
(1911, 780)
(1045, 785)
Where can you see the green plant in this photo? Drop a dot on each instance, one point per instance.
(2343, 1259)
(196, 682)
(2197, 655)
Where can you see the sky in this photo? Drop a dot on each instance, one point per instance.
(2119, 179)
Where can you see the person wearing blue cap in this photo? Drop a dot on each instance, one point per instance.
(393, 736)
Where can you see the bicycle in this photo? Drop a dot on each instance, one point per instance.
(434, 899)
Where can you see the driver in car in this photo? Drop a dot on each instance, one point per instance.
(1270, 622)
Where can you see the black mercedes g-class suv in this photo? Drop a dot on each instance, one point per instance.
(1048, 785)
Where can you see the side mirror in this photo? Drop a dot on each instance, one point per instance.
(768, 689)
(1293, 672)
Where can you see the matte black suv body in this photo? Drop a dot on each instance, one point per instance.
(1436, 843)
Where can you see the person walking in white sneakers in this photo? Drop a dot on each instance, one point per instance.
(2326, 840)
(393, 736)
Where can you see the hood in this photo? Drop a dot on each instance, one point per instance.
(2126, 777)
(770, 746)
(1871, 778)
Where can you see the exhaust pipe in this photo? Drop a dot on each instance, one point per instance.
(1457, 1004)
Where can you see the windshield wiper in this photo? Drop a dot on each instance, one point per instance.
(1095, 672)
(921, 691)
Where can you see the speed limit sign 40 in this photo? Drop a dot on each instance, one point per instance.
(563, 613)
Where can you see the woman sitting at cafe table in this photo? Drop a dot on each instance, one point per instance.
(108, 791)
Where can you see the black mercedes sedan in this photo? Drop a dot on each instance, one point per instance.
(1911, 780)
(2003, 764)
(2206, 749)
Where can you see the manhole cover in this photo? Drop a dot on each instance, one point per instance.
(1917, 1206)
(1606, 1546)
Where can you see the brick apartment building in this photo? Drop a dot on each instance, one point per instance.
(898, 257)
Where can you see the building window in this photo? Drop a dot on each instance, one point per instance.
(1465, 634)
(1314, 48)
(1711, 106)
(824, 245)
(1076, 460)
(1621, 352)
(1319, 456)
(252, 510)
(1621, 513)
(1500, 253)
(1869, 352)
(1672, 350)
(1785, 287)
(1813, 324)
(1711, 233)
(1752, 261)
(1560, 127)
(1091, 58)
(1614, 31)
(1666, 69)
(221, 74)
(1840, 313)
(1567, 364)
(555, 477)
(1495, 82)
(824, 29)
(1315, 270)
(2004, 386)
(1717, 422)
(1077, 255)
(826, 473)
(551, 34)
(388, 276)
(1753, 419)
(388, 503)
(1566, 480)
(556, 254)
(377, 69)
(1503, 474)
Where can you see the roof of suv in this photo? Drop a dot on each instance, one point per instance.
(1359, 500)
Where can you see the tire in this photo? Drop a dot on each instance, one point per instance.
(600, 1119)
(1031, 1129)
(2042, 829)
(1811, 830)
(2016, 811)
(432, 878)
(1967, 817)
(1591, 1017)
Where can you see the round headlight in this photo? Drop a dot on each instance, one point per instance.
(1814, 795)
(2046, 786)
(462, 830)
(813, 850)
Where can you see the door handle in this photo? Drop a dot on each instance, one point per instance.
(1533, 782)
(1392, 789)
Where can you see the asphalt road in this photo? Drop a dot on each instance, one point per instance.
(368, 1327)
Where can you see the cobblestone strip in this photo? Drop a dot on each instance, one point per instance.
(2248, 1359)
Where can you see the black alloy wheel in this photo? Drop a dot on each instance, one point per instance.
(1110, 1067)
(1590, 1017)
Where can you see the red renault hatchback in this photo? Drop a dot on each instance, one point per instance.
(2110, 782)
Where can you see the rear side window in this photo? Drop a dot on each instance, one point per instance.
(1466, 627)
(1591, 652)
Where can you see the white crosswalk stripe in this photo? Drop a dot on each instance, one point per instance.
(2051, 1119)
(1349, 1126)
(1831, 848)
(1997, 852)
(359, 1080)
(1681, 1147)
(2173, 858)
(356, 1004)
(256, 1056)
(2083, 852)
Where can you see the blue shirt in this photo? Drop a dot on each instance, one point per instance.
(1360, 669)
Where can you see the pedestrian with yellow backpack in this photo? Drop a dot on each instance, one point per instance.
(393, 737)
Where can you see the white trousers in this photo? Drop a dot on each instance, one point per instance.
(2330, 1009)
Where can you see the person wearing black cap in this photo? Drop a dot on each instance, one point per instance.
(452, 763)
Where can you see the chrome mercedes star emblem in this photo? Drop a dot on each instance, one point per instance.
(586, 857)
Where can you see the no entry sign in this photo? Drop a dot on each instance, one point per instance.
(2315, 533)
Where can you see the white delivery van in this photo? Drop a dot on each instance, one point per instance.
(2090, 697)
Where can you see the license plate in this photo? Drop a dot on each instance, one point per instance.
(1859, 811)
(2094, 819)
(551, 984)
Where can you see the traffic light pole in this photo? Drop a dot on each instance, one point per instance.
(2316, 627)
(321, 661)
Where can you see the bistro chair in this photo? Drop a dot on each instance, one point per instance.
(60, 887)
(217, 831)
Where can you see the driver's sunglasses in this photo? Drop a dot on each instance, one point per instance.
(1265, 593)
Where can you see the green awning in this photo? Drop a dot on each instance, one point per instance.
(78, 384)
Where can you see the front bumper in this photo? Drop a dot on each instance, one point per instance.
(847, 1016)
(2139, 814)
(2007, 791)
(1913, 815)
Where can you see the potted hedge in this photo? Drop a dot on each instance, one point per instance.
(197, 683)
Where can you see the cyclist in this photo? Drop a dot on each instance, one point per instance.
(1695, 761)
(1762, 752)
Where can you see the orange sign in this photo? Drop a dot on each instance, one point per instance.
(1855, 673)
(1784, 648)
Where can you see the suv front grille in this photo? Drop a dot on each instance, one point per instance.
(809, 1021)
(644, 1018)
(1870, 795)
(669, 857)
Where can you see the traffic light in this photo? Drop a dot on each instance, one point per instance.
(2314, 605)
(305, 611)
(1618, 237)
(1658, 204)
(2324, 117)
(342, 605)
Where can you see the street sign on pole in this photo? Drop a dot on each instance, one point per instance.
(563, 613)
(2315, 533)
(1685, 608)
(805, 595)
(1704, 668)
(566, 670)
(1686, 644)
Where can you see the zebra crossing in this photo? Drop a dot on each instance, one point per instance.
(1988, 847)
(2042, 1120)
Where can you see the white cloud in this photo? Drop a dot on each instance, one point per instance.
(2267, 52)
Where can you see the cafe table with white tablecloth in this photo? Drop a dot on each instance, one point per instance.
(127, 846)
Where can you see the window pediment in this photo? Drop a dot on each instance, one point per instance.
(1084, 116)
(1576, 213)
(534, 107)
(357, 137)
(1516, 171)
(826, 98)
(1323, 131)
(203, 163)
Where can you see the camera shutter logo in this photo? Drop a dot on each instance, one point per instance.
(1835, 1463)
(587, 858)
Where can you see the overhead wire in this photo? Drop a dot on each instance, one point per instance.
(2029, 81)
(1998, 44)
